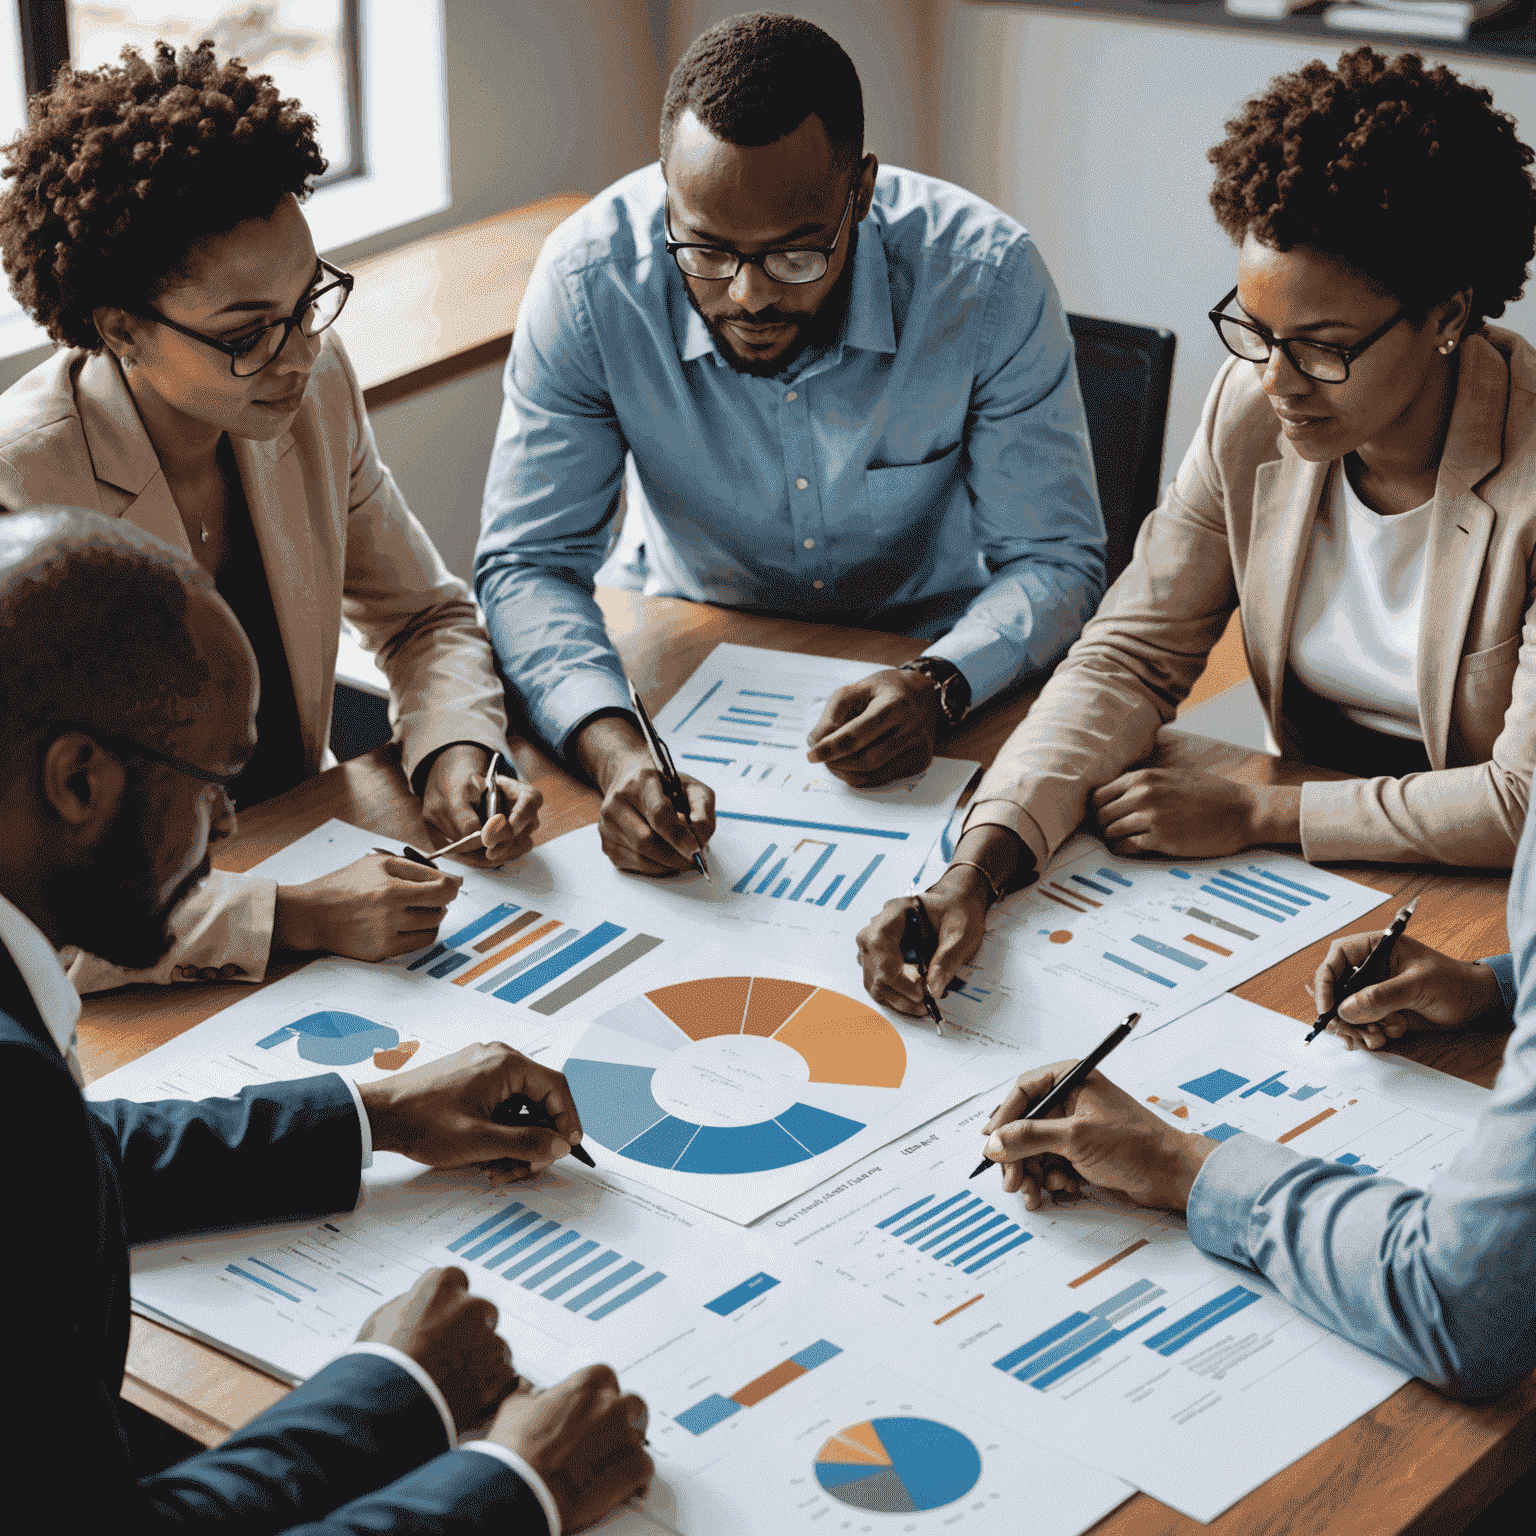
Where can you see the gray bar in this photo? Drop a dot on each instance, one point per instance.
(1115, 1302)
(595, 974)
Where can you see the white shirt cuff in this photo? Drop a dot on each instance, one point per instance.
(364, 1129)
(421, 1377)
(528, 1475)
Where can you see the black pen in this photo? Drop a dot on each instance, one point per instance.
(1370, 970)
(671, 780)
(1060, 1093)
(522, 1111)
(416, 856)
(919, 939)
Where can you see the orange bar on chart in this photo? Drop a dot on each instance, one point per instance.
(846, 1042)
(1098, 1269)
(955, 1311)
(492, 961)
(1076, 895)
(1215, 949)
(704, 1008)
(771, 1003)
(1062, 903)
(1306, 1125)
(768, 1383)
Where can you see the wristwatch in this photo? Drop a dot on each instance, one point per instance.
(953, 690)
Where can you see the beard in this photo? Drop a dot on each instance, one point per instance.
(110, 907)
(815, 330)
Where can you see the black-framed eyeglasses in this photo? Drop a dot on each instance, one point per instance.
(127, 747)
(717, 263)
(252, 352)
(1315, 359)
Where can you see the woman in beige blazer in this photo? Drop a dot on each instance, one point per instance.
(152, 225)
(1362, 488)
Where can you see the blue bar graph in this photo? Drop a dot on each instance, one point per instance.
(603, 1286)
(1080, 1337)
(523, 962)
(1172, 1339)
(506, 1213)
(580, 1276)
(541, 975)
(304, 1285)
(751, 874)
(1168, 952)
(1295, 885)
(900, 1231)
(235, 1269)
(465, 935)
(699, 757)
(783, 885)
(716, 1408)
(500, 1235)
(1140, 970)
(813, 871)
(963, 1231)
(812, 826)
(826, 895)
(1115, 875)
(738, 1296)
(1267, 901)
(625, 1297)
(1271, 1087)
(772, 874)
(906, 1210)
(1093, 885)
(1268, 892)
(858, 885)
(1248, 906)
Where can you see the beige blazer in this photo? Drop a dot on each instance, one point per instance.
(336, 539)
(1234, 531)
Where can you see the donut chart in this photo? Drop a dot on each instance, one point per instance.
(731, 1055)
(898, 1466)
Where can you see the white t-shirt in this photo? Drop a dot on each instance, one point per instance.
(1355, 639)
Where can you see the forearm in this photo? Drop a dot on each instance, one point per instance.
(987, 860)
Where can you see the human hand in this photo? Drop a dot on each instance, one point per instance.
(881, 728)
(452, 1336)
(584, 1438)
(379, 906)
(957, 907)
(440, 1113)
(1100, 1136)
(1423, 990)
(1189, 813)
(637, 826)
(451, 803)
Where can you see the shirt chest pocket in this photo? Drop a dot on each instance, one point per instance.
(896, 494)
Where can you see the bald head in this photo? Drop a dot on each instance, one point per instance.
(105, 628)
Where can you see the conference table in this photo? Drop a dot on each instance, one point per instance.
(1418, 1463)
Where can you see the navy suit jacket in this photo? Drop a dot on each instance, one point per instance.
(357, 1448)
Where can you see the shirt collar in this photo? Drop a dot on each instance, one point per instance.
(57, 1001)
(868, 324)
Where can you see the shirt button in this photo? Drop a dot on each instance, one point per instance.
(818, 585)
(802, 484)
(810, 543)
(792, 396)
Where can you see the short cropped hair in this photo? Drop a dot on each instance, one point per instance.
(752, 79)
(93, 630)
(120, 171)
(1407, 174)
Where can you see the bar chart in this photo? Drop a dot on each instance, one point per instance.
(963, 1231)
(716, 1409)
(812, 861)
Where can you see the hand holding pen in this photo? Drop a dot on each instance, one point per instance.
(505, 810)
(671, 782)
(1374, 968)
(919, 940)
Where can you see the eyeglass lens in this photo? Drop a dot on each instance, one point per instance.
(1316, 362)
(782, 266)
(322, 310)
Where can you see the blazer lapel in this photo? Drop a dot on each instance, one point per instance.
(302, 576)
(1286, 495)
(1461, 525)
(122, 455)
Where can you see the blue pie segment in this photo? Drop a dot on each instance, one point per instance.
(334, 1039)
(619, 1110)
(898, 1466)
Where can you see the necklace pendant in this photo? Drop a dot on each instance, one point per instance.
(205, 533)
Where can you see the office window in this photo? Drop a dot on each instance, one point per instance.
(311, 48)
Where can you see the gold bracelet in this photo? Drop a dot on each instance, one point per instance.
(997, 895)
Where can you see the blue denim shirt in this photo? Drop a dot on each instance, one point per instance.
(1440, 1281)
(936, 452)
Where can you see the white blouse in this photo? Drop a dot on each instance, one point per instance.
(1355, 638)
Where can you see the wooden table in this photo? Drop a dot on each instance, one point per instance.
(1418, 1463)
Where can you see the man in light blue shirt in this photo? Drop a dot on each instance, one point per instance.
(842, 393)
(1441, 1281)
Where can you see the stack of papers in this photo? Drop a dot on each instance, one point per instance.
(1454, 19)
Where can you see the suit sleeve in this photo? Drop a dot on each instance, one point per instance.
(418, 619)
(1136, 661)
(270, 1153)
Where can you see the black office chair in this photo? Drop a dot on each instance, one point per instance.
(1125, 372)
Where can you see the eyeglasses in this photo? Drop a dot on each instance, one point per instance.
(253, 351)
(1316, 359)
(715, 263)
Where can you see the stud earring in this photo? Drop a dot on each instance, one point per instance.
(1448, 348)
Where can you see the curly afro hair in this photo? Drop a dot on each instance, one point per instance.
(122, 170)
(752, 79)
(1408, 175)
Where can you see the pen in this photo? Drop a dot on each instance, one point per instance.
(417, 857)
(919, 939)
(1370, 970)
(490, 796)
(522, 1111)
(671, 780)
(1060, 1093)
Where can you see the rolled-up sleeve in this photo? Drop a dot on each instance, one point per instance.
(547, 519)
(1034, 499)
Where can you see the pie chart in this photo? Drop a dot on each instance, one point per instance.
(898, 1466)
(336, 1039)
(734, 1062)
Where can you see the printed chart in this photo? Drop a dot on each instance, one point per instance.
(738, 1092)
(1097, 937)
(865, 1448)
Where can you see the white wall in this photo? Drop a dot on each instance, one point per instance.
(1093, 132)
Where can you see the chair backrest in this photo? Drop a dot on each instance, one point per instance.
(1125, 372)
